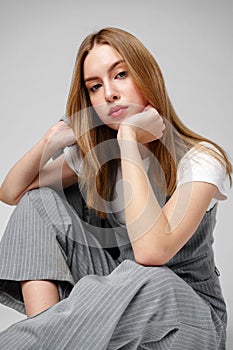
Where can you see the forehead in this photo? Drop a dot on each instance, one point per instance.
(99, 58)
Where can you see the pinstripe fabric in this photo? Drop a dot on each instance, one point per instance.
(108, 303)
(45, 239)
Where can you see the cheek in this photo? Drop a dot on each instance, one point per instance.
(138, 97)
(136, 108)
(96, 104)
(100, 110)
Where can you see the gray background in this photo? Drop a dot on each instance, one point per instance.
(192, 42)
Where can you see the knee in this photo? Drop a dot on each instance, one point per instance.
(38, 192)
(167, 283)
(42, 201)
(37, 196)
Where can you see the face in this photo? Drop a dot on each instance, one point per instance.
(112, 92)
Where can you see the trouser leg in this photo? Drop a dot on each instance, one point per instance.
(134, 307)
(46, 239)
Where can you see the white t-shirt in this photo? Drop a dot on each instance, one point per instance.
(196, 165)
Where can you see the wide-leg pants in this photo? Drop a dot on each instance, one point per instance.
(106, 303)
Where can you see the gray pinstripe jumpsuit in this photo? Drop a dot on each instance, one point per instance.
(108, 301)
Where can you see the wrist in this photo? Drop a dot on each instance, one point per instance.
(52, 140)
(126, 132)
(49, 146)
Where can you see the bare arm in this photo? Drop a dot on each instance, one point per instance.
(33, 169)
(157, 233)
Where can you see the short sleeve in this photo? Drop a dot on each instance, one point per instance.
(74, 159)
(198, 165)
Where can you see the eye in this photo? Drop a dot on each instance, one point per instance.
(122, 74)
(94, 87)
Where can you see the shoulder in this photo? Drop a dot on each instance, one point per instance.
(203, 157)
(73, 158)
(201, 163)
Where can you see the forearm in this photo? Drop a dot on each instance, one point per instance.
(146, 223)
(25, 171)
(31, 172)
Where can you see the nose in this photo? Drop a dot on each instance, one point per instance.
(111, 92)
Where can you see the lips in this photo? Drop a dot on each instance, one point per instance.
(117, 111)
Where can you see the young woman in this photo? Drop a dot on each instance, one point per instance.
(110, 243)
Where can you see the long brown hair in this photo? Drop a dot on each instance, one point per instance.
(100, 168)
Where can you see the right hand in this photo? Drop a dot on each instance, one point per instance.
(32, 171)
(60, 135)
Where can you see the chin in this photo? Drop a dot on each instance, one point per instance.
(114, 126)
(137, 109)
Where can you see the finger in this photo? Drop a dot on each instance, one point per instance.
(64, 119)
(148, 107)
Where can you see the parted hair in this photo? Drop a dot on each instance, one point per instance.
(100, 160)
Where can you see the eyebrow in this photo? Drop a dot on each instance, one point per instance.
(114, 65)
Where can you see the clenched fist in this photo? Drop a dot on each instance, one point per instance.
(143, 127)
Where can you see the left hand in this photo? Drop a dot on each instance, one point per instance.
(143, 127)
